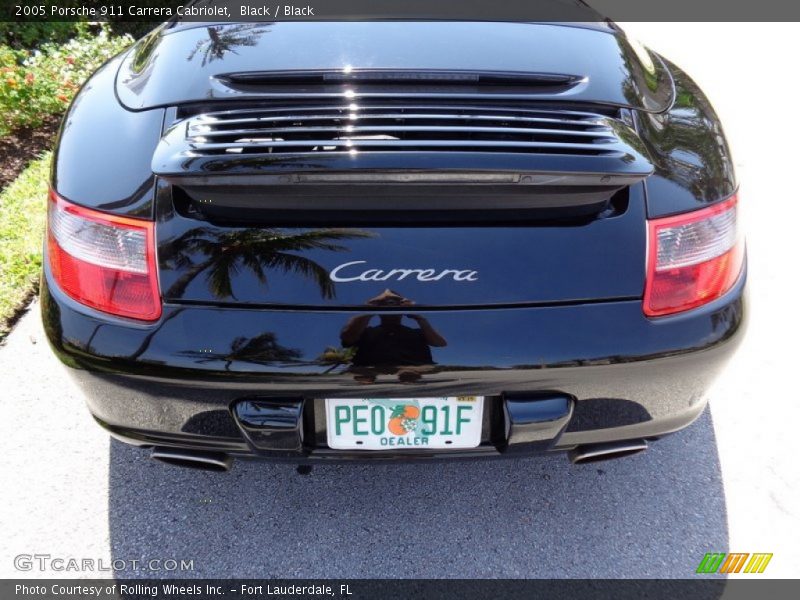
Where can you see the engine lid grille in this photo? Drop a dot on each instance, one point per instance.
(398, 128)
(355, 131)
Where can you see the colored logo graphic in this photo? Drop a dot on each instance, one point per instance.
(403, 419)
(718, 563)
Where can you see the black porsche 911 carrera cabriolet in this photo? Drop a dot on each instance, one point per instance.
(322, 241)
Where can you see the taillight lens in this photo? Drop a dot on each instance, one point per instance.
(103, 261)
(692, 258)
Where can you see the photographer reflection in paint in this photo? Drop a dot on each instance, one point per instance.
(390, 346)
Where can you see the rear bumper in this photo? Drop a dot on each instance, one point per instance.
(182, 381)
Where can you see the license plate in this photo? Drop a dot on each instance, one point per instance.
(404, 424)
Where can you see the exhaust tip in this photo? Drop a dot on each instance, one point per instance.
(190, 459)
(591, 453)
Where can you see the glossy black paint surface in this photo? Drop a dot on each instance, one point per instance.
(255, 334)
(93, 168)
(533, 420)
(103, 152)
(478, 265)
(252, 343)
(175, 383)
(179, 165)
(693, 163)
(274, 425)
(614, 73)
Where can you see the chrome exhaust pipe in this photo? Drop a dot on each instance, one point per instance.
(596, 452)
(192, 459)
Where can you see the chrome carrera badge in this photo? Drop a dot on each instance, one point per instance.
(349, 272)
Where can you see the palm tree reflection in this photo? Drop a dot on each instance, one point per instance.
(334, 357)
(262, 349)
(224, 253)
(226, 38)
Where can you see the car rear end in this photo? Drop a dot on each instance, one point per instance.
(413, 259)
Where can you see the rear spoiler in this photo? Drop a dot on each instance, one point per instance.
(370, 153)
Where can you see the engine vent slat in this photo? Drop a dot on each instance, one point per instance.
(346, 112)
(394, 119)
(236, 135)
(257, 145)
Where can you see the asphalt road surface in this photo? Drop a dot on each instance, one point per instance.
(730, 482)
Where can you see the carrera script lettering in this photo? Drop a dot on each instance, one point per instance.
(348, 272)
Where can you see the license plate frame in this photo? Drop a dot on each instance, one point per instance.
(401, 424)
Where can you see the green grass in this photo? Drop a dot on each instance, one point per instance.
(22, 217)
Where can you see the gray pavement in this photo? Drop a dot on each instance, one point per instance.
(730, 482)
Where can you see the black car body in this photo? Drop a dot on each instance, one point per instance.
(250, 220)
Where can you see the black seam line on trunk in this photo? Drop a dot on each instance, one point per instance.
(418, 308)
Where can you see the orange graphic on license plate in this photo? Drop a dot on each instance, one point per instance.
(404, 419)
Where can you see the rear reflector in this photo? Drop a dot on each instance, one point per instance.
(692, 258)
(102, 260)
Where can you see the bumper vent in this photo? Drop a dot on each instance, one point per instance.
(389, 134)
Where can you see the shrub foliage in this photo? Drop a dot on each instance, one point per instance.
(41, 82)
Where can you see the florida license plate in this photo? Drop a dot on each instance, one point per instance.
(407, 423)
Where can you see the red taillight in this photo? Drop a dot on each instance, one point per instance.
(103, 261)
(692, 258)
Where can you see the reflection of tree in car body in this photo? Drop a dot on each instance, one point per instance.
(223, 254)
(390, 346)
(222, 40)
(262, 349)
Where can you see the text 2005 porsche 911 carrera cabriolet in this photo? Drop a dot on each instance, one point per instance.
(322, 241)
